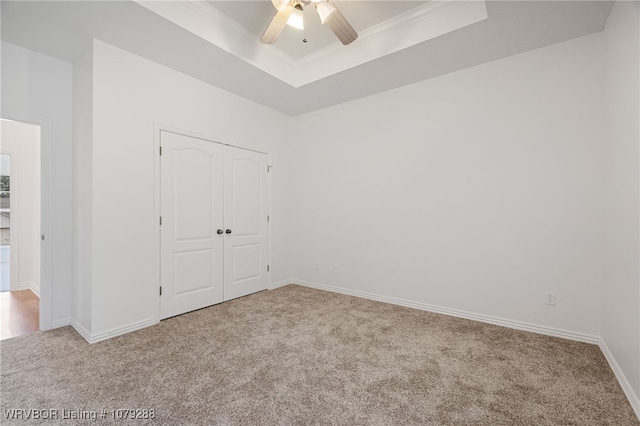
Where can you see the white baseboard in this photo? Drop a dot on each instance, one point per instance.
(622, 379)
(518, 325)
(29, 285)
(121, 330)
(81, 330)
(60, 323)
(98, 337)
(36, 290)
(279, 284)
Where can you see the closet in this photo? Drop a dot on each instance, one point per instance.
(213, 225)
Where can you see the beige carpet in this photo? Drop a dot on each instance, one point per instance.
(301, 356)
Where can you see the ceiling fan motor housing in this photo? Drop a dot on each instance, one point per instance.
(328, 12)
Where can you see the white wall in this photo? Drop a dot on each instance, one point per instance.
(23, 141)
(621, 283)
(82, 191)
(130, 96)
(35, 85)
(476, 191)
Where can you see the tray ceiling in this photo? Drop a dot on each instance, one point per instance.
(254, 16)
(400, 42)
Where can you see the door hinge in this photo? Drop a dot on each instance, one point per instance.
(267, 268)
(42, 237)
(160, 150)
(160, 220)
(160, 290)
(268, 219)
(269, 169)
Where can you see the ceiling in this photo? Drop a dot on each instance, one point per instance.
(254, 16)
(400, 42)
(384, 27)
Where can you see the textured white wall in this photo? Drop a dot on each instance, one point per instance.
(130, 96)
(23, 140)
(36, 85)
(621, 283)
(476, 191)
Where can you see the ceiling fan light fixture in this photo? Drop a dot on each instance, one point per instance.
(325, 10)
(296, 20)
(281, 5)
(292, 14)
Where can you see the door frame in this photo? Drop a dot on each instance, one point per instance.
(46, 215)
(158, 128)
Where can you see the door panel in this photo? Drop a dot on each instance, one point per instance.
(247, 262)
(195, 270)
(246, 195)
(193, 193)
(192, 173)
(245, 208)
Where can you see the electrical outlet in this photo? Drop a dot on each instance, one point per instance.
(550, 298)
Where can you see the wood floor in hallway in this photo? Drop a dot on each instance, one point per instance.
(19, 313)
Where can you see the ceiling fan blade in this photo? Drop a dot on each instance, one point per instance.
(277, 24)
(341, 27)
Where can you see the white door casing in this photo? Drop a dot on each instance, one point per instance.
(213, 238)
(46, 217)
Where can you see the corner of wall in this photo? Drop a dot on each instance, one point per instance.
(81, 316)
(634, 400)
(620, 306)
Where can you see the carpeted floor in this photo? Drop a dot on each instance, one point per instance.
(302, 356)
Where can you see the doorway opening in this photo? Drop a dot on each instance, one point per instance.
(5, 222)
(20, 228)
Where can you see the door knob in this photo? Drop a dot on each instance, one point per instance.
(228, 231)
(219, 231)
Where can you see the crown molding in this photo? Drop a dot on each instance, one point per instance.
(387, 27)
(208, 23)
(229, 26)
(408, 29)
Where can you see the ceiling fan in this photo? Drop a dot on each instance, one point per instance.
(329, 14)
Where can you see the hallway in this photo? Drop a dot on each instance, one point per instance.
(5, 283)
(19, 313)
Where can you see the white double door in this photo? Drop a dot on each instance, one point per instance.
(213, 238)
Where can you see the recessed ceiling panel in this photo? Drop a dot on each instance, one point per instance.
(423, 21)
(254, 16)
